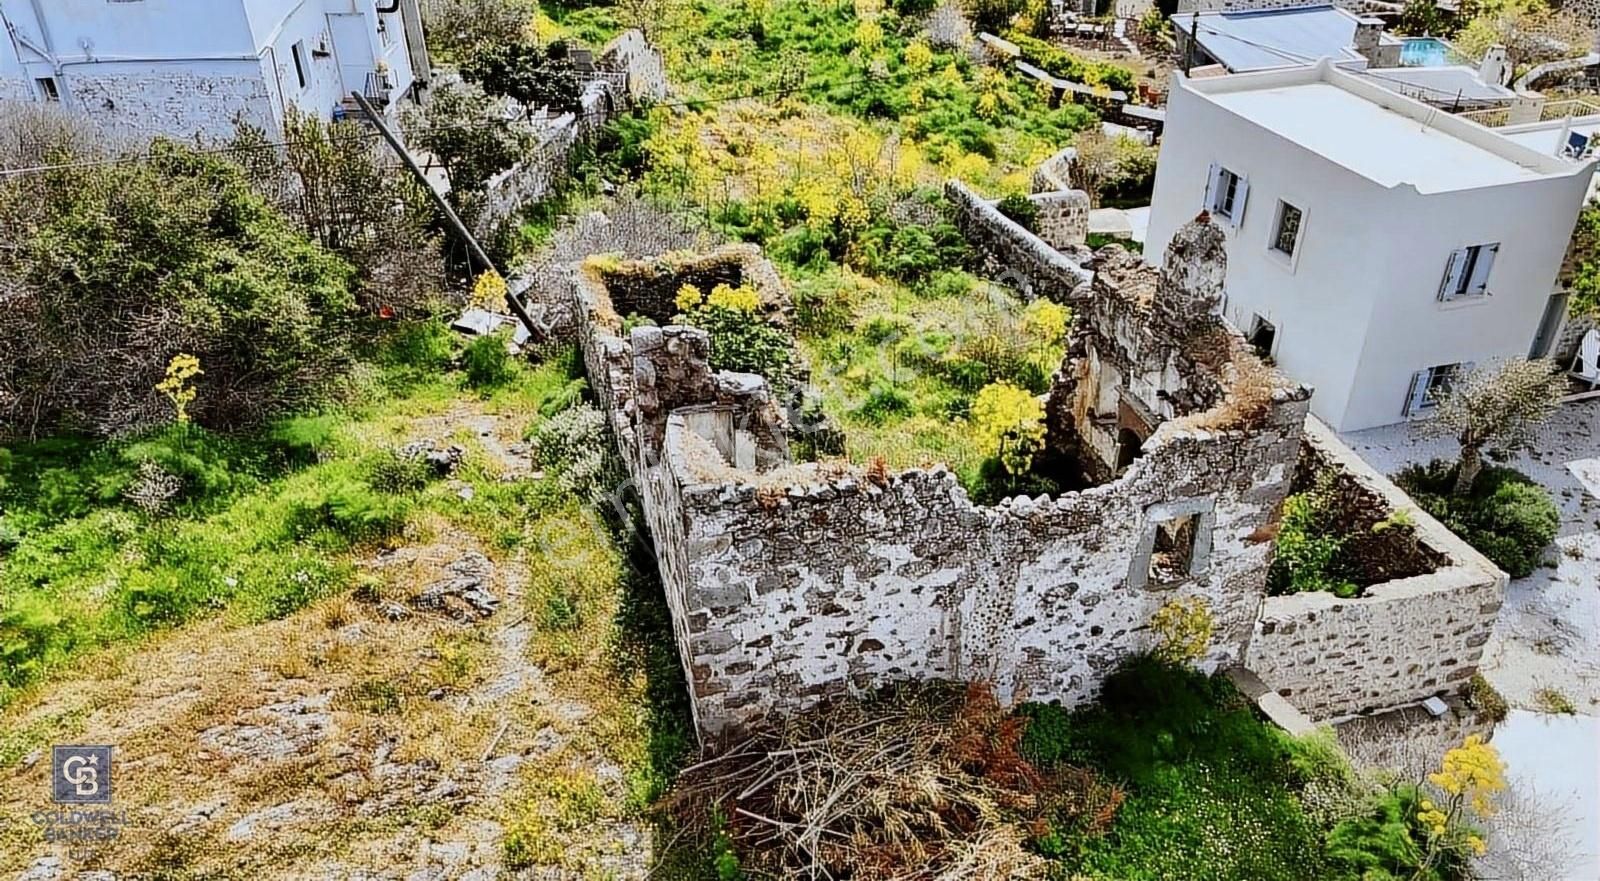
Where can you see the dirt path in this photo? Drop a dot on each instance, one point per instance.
(400, 732)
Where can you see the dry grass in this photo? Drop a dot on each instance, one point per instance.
(925, 784)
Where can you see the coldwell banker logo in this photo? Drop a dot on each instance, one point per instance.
(80, 775)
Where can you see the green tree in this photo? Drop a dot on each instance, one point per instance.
(474, 141)
(1501, 405)
(530, 75)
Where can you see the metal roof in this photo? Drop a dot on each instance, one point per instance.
(1249, 40)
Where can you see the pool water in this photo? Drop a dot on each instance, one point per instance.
(1426, 52)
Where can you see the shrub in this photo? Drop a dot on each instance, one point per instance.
(1184, 627)
(1508, 517)
(1021, 209)
(1306, 554)
(742, 341)
(347, 508)
(152, 258)
(396, 473)
(487, 362)
(884, 402)
(573, 446)
(1070, 67)
(1484, 698)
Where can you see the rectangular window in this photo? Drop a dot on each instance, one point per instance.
(1466, 274)
(1428, 387)
(48, 88)
(1175, 544)
(1226, 193)
(1286, 232)
(299, 53)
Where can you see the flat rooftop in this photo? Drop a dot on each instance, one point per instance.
(1264, 39)
(1382, 136)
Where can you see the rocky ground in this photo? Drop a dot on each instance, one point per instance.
(399, 732)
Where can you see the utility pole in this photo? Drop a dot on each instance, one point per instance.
(479, 256)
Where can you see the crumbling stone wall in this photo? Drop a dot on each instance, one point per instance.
(1055, 174)
(792, 583)
(825, 586)
(1400, 641)
(1011, 254)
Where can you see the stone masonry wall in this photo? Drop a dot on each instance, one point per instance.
(1011, 254)
(1063, 218)
(830, 586)
(1399, 642)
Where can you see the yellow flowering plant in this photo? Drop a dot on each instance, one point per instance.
(175, 386)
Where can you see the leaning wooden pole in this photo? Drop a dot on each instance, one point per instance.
(479, 256)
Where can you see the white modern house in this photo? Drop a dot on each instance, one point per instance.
(1376, 245)
(139, 68)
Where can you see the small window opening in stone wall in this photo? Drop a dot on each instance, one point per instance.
(1174, 549)
(1175, 544)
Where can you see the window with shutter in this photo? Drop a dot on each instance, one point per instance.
(1225, 195)
(1466, 273)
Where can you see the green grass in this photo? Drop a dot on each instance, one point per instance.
(263, 524)
(900, 377)
(1211, 787)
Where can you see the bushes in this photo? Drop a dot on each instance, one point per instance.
(487, 362)
(1021, 209)
(1509, 518)
(1210, 786)
(1306, 556)
(1070, 67)
(174, 254)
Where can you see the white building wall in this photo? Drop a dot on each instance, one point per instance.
(1356, 309)
(196, 67)
(1321, 301)
(1412, 330)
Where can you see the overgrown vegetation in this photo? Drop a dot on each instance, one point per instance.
(1508, 517)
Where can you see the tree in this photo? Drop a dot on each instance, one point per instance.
(530, 75)
(345, 191)
(1501, 405)
(1104, 164)
(456, 27)
(1532, 32)
(465, 130)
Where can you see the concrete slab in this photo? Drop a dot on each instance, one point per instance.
(1110, 222)
(1552, 761)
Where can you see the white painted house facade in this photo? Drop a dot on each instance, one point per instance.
(183, 68)
(1376, 245)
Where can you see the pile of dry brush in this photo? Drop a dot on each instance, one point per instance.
(919, 784)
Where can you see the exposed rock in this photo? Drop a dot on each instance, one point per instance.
(464, 592)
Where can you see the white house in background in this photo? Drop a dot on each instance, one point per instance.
(140, 68)
(1376, 245)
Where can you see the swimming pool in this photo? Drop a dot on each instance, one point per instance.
(1426, 52)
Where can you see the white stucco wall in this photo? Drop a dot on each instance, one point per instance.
(194, 67)
(1356, 309)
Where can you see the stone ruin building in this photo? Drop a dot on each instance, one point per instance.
(792, 582)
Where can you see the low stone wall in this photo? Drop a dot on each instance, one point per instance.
(1011, 254)
(1063, 220)
(1055, 174)
(631, 71)
(1398, 643)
